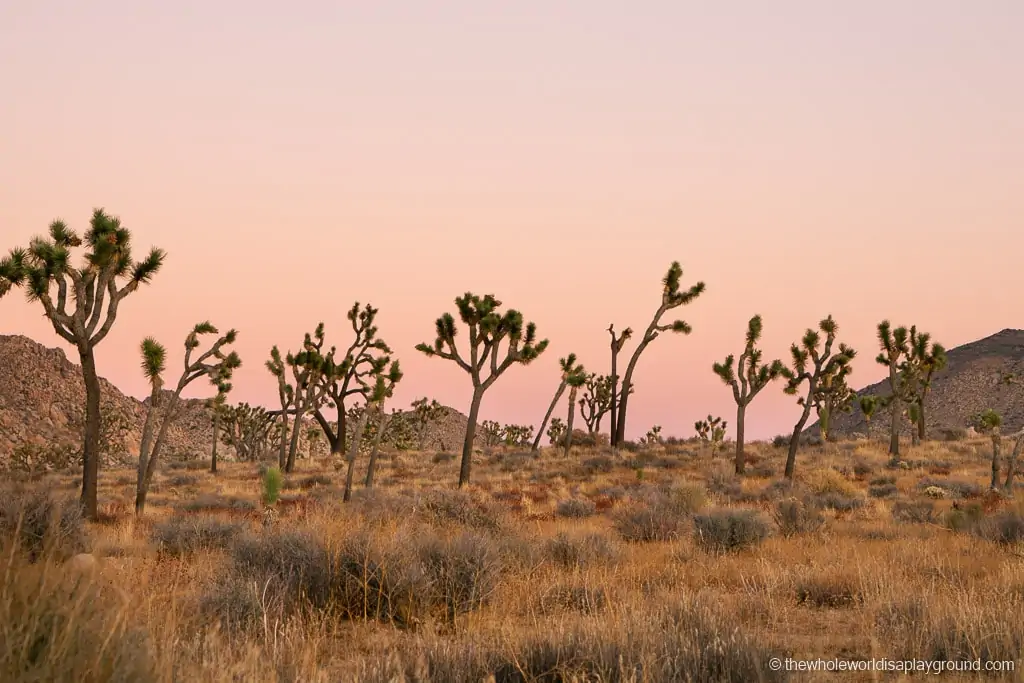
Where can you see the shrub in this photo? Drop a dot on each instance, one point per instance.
(293, 564)
(441, 458)
(794, 517)
(886, 480)
(598, 464)
(862, 469)
(643, 524)
(379, 582)
(839, 502)
(581, 551)
(314, 480)
(463, 571)
(781, 441)
(1006, 528)
(576, 508)
(212, 502)
(915, 512)
(883, 491)
(458, 507)
(40, 523)
(728, 529)
(957, 488)
(575, 598)
(828, 591)
(182, 535)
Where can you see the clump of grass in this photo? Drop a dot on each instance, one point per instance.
(314, 480)
(581, 551)
(583, 598)
(576, 508)
(212, 502)
(728, 529)
(463, 571)
(914, 511)
(829, 591)
(958, 488)
(291, 563)
(458, 507)
(794, 517)
(883, 491)
(182, 535)
(645, 523)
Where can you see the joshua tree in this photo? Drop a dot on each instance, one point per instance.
(313, 435)
(833, 396)
(868, 406)
(895, 351)
(653, 436)
(86, 305)
(927, 361)
(345, 379)
(248, 429)
(492, 432)
(286, 396)
(576, 380)
(375, 396)
(487, 329)
(711, 432)
(811, 363)
(671, 297)
(425, 414)
(616, 345)
(516, 435)
(308, 366)
(989, 422)
(213, 363)
(569, 370)
(217, 405)
(596, 401)
(556, 432)
(749, 378)
(1011, 464)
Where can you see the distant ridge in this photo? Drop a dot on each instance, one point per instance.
(972, 381)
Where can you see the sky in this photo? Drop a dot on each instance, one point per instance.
(864, 160)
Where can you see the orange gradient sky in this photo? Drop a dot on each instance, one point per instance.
(802, 158)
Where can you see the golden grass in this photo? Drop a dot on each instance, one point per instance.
(417, 582)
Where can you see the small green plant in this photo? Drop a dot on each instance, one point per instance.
(272, 482)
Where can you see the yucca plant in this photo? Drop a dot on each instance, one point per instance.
(212, 363)
(711, 432)
(488, 328)
(596, 401)
(927, 360)
(671, 297)
(308, 367)
(747, 380)
(569, 369)
(425, 412)
(81, 303)
(248, 429)
(868, 407)
(832, 397)
(811, 362)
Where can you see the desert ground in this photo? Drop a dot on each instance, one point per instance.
(655, 563)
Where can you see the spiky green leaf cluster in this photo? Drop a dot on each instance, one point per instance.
(749, 376)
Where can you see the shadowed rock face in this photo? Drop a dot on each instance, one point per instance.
(973, 380)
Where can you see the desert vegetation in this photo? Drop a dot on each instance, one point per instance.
(594, 558)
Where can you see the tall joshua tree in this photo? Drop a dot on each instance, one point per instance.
(928, 361)
(218, 405)
(569, 369)
(86, 304)
(487, 330)
(344, 379)
(616, 345)
(307, 366)
(212, 363)
(811, 363)
(832, 397)
(747, 380)
(375, 396)
(576, 379)
(286, 396)
(989, 422)
(671, 297)
(895, 351)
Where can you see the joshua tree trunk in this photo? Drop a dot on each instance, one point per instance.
(1011, 464)
(91, 444)
(354, 452)
(282, 452)
(614, 406)
(996, 438)
(216, 433)
(921, 429)
(334, 444)
(568, 424)
(150, 463)
(741, 462)
(894, 419)
(467, 445)
(794, 441)
(547, 416)
(293, 447)
(371, 468)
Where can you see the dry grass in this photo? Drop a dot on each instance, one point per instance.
(546, 569)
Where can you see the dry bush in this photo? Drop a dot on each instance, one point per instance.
(829, 590)
(915, 511)
(576, 508)
(39, 522)
(794, 517)
(883, 491)
(573, 597)
(294, 564)
(958, 488)
(581, 551)
(213, 502)
(183, 534)
(459, 507)
(463, 571)
(728, 529)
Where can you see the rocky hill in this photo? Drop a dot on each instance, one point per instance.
(42, 399)
(973, 380)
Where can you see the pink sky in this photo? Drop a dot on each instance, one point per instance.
(802, 158)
